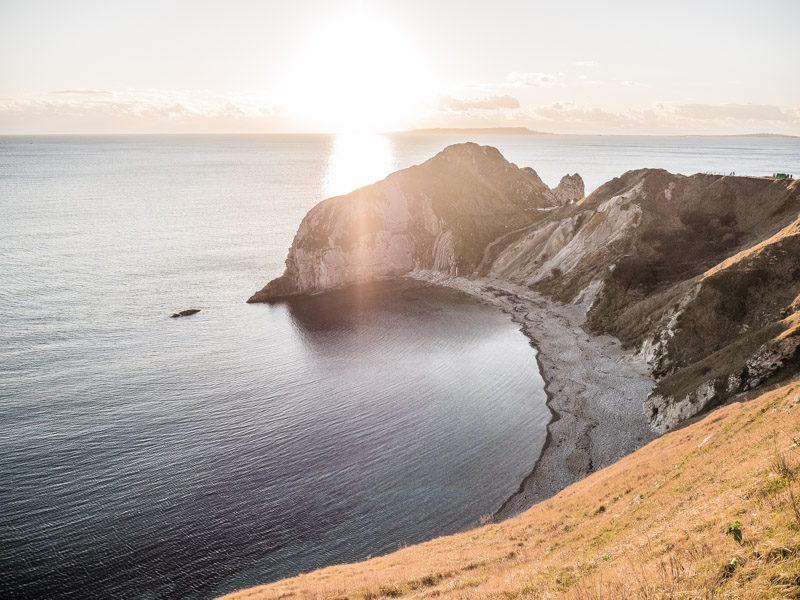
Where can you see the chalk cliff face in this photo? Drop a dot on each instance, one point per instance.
(700, 274)
(439, 215)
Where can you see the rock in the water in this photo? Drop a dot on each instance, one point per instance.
(186, 313)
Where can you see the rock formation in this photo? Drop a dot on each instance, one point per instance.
(700, 274)
(439, 215)
(186, 313)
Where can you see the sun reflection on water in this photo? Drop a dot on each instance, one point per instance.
(357, 160)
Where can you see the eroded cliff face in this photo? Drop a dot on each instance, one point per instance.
(700, 274)
(439, 215)
(735, 329)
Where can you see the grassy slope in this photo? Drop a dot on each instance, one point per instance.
(650, 526)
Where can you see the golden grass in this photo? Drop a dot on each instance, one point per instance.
(650, 526)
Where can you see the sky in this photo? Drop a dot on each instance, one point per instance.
(306, 66)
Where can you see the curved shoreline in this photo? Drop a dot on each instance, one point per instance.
(596, 411)
(555, 416)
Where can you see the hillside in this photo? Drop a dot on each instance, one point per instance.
(653, 525)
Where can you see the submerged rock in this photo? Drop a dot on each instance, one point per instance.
(186, 313)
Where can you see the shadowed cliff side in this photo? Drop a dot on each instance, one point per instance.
(700, 274)
(439, 215)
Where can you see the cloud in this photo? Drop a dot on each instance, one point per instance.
(448, 103)
(78, 91)
(133, 110)
(143, 103)
(660, 118)
(732, 112)
(516, 80)
(532, 79)
(665, 118)
(584, 63)
(568, 112)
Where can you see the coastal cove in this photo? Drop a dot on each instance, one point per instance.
(345, 425)
(399, 300)
(186, 458)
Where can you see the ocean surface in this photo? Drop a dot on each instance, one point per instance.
(150, 457)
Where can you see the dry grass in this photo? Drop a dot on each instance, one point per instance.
(651, 526)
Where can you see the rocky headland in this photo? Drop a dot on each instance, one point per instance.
(651, 301)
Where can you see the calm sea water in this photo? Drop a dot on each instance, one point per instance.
(149, 457)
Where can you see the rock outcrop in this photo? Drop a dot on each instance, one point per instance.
(570, 189)
(700, 274)
(439, 215)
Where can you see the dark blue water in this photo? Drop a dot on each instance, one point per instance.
(149, 457)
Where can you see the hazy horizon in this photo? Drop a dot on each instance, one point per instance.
(445, 131)
(720, 68)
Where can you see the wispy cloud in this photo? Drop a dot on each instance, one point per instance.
(135, 110)
(517, 80)
(732, 112)
(532, 79)
(80, 91)
(143, 103)
(569, 112)
(448, 103)
(586, 80)
(131, 109)
(665, 118)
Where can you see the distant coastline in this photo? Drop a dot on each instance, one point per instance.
(526, 131)
(748, 135)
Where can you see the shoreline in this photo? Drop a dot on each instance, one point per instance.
(596, 410)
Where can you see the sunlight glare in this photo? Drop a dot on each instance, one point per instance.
(357, 160)
(357, 74)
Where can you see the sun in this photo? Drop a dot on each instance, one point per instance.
(358, 73)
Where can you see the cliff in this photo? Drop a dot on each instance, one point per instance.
(439, 215)
(700, 275)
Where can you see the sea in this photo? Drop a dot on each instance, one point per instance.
(150, 457)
